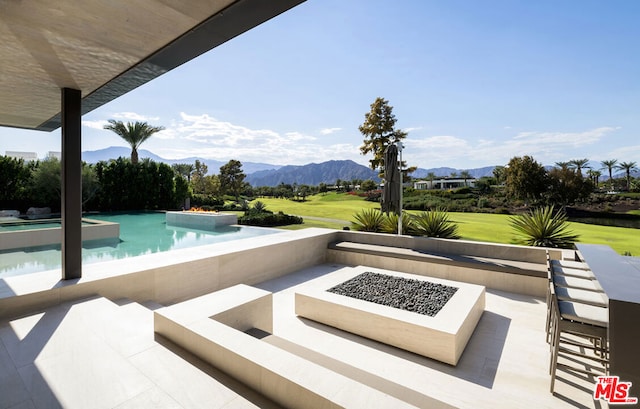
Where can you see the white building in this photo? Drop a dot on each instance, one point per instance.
(52, 154)
(27, 156)
(443, 183)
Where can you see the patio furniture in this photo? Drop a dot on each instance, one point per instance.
(573, 272)
(575, 329)
(570, 264)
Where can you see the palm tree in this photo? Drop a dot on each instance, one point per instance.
(465, 175)
(499, 174)
(579, 164)
(627, 167)
(431, 176)
(184, 169)
(594, 175)
(610, 164)
(134, 133)
(563, 165)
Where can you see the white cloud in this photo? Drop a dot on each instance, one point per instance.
(411, 129)
(206, 136)
(623, 154)
(546, 147)
(574, 139)
(95, 124)
(132, 116)
(329, 131)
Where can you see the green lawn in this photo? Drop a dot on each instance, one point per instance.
(472, 226)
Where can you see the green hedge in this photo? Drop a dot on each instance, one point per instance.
(268, 219)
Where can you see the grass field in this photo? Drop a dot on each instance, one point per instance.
(339, 209)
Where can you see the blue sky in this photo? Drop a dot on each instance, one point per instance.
(473, 82)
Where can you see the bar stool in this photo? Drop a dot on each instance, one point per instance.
(575, 282)
(573, 272)
(572, 289)
(580, 321)
(597, 299)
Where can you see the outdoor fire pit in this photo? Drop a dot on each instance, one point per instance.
(425, 315)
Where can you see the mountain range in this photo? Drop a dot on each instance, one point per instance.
(212, 164)
(264, 174)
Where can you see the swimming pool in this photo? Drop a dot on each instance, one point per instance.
(140, 233)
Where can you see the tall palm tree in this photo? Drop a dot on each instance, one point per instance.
(465, 175)
(134, 133)
(184, 169)
(627, 167)
(431, 176)
(609, 164)
(563, 165)
(594, 175)
(579, 164)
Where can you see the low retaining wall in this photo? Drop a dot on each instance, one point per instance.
(91, 230)
(172, 277)
(212, 327)
(182, 274)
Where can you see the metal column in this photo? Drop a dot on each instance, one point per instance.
(71, 184)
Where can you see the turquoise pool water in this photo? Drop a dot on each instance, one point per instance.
(21, 225)
(140, 233)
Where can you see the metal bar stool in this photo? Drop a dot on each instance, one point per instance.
(570, 264)
(573, 289)
(573, 272)
(579, 321)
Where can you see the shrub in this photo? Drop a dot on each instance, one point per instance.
(232, 206)
(200, 200)
(390, 224)
(542, 228)
(268, 219)
(435, 223)
(370, 220)
(374, 195)
(259, 206)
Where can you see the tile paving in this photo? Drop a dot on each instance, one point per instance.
(99, 353)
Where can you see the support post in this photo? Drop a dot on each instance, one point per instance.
(400, 146)
(71, 180)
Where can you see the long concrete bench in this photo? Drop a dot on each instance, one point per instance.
(214, 327)
(502, 274)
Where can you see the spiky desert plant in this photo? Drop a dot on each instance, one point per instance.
(368, 220)
(435, 223)
(542, 228)
(259, 206)
(390, 224)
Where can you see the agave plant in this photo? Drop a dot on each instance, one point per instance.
(368, 220)
(435, 223)
(390, 224)
(259, 206)
(542, 228)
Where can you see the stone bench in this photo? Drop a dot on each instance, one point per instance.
(214, 327)
(509, 275)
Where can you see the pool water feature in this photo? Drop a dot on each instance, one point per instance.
(140, 234)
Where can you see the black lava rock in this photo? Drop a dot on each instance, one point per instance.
(422, 297)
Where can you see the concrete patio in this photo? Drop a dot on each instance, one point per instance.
(99, 332)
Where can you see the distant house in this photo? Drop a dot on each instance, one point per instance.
(443, 183)
(27, 156)
(56, 155)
